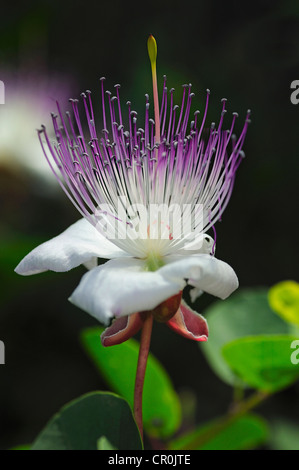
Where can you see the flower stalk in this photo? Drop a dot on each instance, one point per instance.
(146, 333)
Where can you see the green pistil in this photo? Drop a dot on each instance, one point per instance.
(154, 262)
(152, 52)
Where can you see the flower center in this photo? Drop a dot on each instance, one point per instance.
(167, 309)
(154, 261)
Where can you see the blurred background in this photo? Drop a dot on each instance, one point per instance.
(245, 52)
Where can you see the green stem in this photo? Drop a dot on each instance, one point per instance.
(141, 367)
(238, 395)
(238, 411)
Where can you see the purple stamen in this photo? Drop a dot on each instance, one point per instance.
(185, 167)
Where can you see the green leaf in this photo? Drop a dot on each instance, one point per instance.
(104, 444)
(284, 300)
(117, 364)
(80, 424)
(263, 362)
(246, 432)
(243, 314)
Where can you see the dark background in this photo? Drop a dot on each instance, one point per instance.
(245, 51)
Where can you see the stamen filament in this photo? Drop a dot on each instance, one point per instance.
(164, 163)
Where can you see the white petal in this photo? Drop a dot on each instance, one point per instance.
(204, 272)
(91, 263)
(77, 245)
(122, 287)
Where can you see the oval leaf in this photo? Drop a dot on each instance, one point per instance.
(80, 424)
(263, 362)
(243, 314)
(246, 432)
